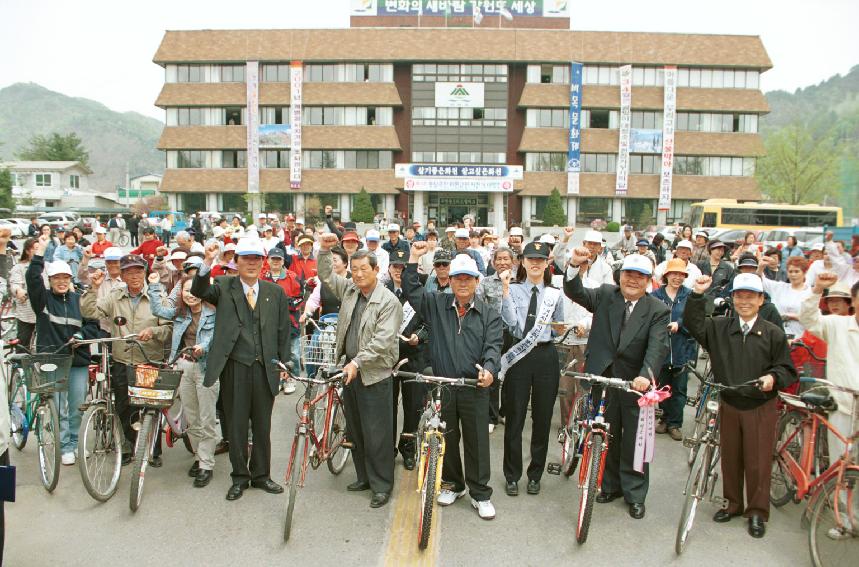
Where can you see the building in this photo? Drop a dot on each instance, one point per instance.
(410, 114)
(41, 184)
(148, 184)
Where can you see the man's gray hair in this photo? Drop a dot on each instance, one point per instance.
(362, 254)
(183, 235)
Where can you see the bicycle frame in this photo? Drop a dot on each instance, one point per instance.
(434, 428)
(596, 423)
(305, 426)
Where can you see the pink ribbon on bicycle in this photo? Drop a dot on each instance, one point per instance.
(644, 436)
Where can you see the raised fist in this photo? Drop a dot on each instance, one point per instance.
(702, 284)
(419, 248)
(96, 279)
(161, 251)
(569, 230)
(579, 256)
(824, 280)
(327, 241)
(154, 278)
(211, 252)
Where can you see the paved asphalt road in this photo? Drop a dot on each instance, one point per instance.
(179, 525)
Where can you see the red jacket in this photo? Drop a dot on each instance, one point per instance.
(303, 269)
(290, 286)
(98, 248)
(147, 249)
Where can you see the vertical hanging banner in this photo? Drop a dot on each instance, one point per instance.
(574, 164)
(296, 80)
(668, 123)
(252, 81)
(621, 184)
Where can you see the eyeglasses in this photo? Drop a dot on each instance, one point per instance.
(442, 265)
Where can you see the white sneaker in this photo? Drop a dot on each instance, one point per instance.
(484, 508)
(447, 497)
(289, 387)
(491, 427)
(69, 459)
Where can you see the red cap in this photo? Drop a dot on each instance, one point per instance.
(353, 236)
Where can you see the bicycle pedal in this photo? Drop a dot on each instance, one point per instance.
(688, 442)
(721, 502)
(553, 468)
(346, 444)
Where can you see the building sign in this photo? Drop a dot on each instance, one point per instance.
(252, 81)
(296, 81)
(458, 178)
(574, 164)
(645, 141)
(275, 136)
(459, 95)
(668, 122)
(498, 8)
(621, 184)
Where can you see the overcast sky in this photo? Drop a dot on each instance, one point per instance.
(103, 49)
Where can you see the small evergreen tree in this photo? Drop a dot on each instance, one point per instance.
(554, 214)
(362, 210)
(6, 199)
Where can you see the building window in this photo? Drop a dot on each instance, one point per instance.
(189, 116)
(648, 164)
(716, 166)
(233, 116)
(599, 163)
(545, 161)
(75, 181)
(276, 73)
(275, 159)
(459, 157)
(18, 179)
(232, 73)
(470, 72)
(349, 73)
(592, 208)
(547, 118)
(44, 180)
(647, 119)
(274, 115)
(478, 117)
(190, 159)
(234, 159)
(189, 74)
(598, 118)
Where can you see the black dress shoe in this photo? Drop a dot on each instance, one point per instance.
(533, 487)
(512, 488)
(236, 490)
(156, 462)
(723, 516)
(222, 447)
(358, 486)
(268, 485)
(203, 478)
(606, 497)
(194, 470)
(757, 527)
(379, 499)
(126, 459)
(636, 510)
(409, 463)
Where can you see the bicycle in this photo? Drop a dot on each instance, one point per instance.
(429, 451)
(20, 416)
(572, 431)
(704, 474)
(835, 487)
(699, 402)
(595, 449)
(327, 446)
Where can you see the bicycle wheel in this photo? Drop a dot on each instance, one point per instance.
(696, 486)
(428, 492)
(142, 449)
(571, 447)
(20, 427)
(47, 430)
(292, 481)
(833, 540)
(100, 452)
(338, 455)
(782, 486)
(589, 485)
(695, 437)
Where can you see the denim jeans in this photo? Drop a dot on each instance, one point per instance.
(69, 403)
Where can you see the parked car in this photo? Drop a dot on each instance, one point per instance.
(804, 237)
(17, 230)
(66, 220)
(89, 224)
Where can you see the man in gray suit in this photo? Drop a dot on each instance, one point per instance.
(252, 327)
(367, 336)
(628, 340)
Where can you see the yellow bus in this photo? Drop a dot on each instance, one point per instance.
(728, 213)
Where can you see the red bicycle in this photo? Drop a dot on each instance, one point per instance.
(319, 433)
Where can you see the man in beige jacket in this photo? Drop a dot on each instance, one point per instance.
(367, 329)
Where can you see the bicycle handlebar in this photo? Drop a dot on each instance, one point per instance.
(799, 344)
(828, 384)
(337, 376)
(625, 385)
(421, 378)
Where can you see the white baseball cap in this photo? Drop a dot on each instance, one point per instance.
(373, 235)
(685, 244)
(593, 236)
(819, 246)
(192, 262)
(261, 216)
(393, 227)
(461, 233)
(230, 247)
(464, 264)
(58, 267)
(637, 263)
(272, 216)
(113, 253)
(548, 239)
(702, 233)
(516, 231)
(249, 247)
(747, 282)
(178, 255)
(218, 232)
(450, 229)
(299, 220)
(100, 230)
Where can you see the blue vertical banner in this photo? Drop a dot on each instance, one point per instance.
(574, 152)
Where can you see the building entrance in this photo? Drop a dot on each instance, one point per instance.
(449, 208)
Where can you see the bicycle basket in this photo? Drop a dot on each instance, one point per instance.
(46, 373)
(318, 349)
(151, 386)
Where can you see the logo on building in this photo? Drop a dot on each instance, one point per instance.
(459, 95)
(459, 90)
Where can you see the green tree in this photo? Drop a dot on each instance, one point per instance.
(362, 210)
(6, 199)
(55, 147)
(554, 214)
(800, 166)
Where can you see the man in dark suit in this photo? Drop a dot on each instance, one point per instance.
(628, 340)
(252, 327)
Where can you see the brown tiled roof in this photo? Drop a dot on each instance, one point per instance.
(606, 96)
(330, 181)
(596, 140)
(645, 186)
(202, 94)
(203, 138)
(350, 137)
(205, 180)
(401, 44)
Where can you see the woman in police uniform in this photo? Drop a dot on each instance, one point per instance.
(530, 368)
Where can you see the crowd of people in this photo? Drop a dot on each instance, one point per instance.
(464, 302)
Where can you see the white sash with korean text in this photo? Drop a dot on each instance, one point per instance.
(517, 352)
(408, 313)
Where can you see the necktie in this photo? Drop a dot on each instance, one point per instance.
(627, 312)
(532, 311)
(251, 299)
(399, 292)
(745, 329)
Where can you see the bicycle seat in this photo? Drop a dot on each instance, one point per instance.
(820, 400)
